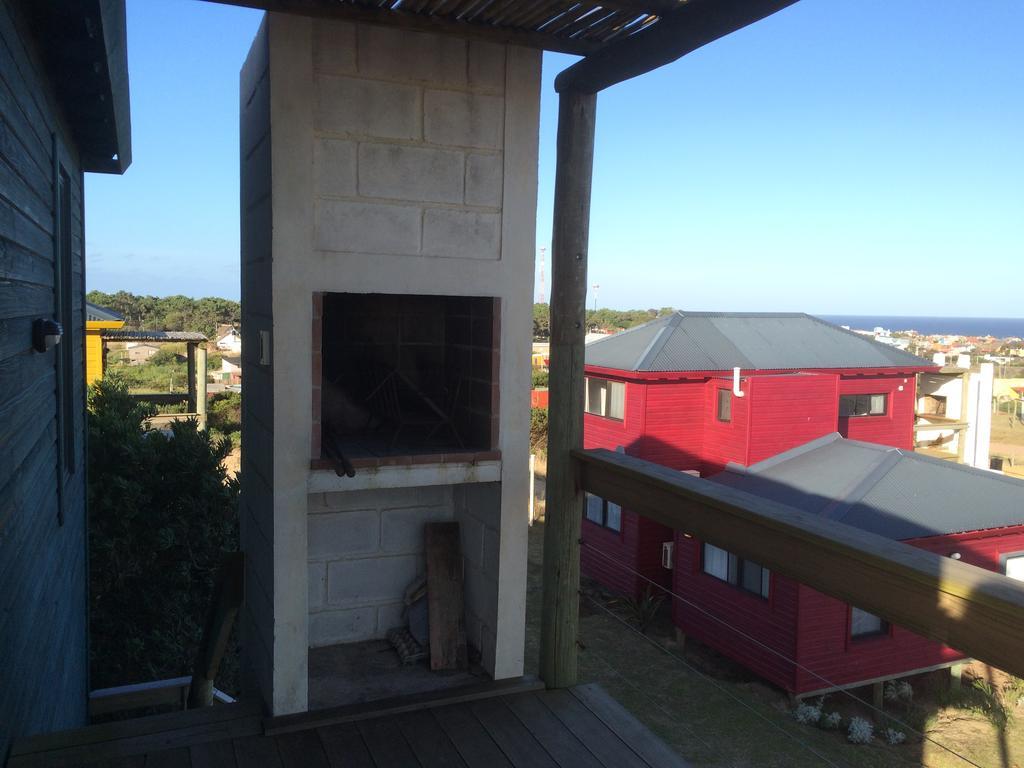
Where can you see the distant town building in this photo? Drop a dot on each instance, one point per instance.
(97, 320)
(228, 339)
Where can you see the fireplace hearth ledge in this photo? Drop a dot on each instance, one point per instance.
(409, 476)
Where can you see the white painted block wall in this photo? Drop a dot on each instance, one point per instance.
(401, 162)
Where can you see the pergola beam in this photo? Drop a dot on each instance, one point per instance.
(676, 34)
(419, 22)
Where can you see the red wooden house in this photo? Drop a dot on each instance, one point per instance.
(804, 641)
(669, 392)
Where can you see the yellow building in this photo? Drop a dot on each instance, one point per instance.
(97, 320)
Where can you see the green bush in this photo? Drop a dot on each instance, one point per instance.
(224, 412)
(540, 378)
(539, 431)
(162, 515)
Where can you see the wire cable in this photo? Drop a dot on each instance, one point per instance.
(717, 685)
(779, 654)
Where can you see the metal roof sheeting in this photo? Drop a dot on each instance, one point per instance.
(96, 313)
(152, 336)
(894, 493)
(718, 341)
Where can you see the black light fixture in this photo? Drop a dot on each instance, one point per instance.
(46, 334)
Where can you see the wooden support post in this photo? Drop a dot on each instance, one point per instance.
(878, 694)
(226, 602)
(191, 377)
(956, 673)
(200, 382)
(564, 500)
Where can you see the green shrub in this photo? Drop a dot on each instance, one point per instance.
(162, 515)
(540, 378)
(224, 412)
(539, 430)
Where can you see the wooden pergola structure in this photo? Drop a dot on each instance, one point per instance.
(980, 613)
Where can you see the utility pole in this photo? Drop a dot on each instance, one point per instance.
(541, 293)
(595, 297)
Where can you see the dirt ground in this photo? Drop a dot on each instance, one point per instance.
(1008, 440)
(715, 713)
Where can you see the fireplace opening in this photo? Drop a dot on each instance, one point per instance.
(406, 375)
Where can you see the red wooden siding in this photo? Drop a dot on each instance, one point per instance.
(826, 649)
(736, 623)
(673, 434)
(896, 427)
(788, 411)
(674, 422)
(724, 441)
(638, 545)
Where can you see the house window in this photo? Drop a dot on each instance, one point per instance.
(863, 405)
(1013, 567)
(745, 574)
(724, 405)
(605, 398)
(605, 513)
(864, 624)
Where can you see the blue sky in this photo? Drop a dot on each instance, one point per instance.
(839, 157)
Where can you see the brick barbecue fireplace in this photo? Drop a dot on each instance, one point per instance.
(389, 184)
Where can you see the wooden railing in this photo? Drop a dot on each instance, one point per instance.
(976, 611)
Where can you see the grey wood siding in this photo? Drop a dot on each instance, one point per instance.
(257, 510)
(43, 569)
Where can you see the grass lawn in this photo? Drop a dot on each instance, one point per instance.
(726, 717)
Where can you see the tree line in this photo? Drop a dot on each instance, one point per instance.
(603, 319)
(170, 313)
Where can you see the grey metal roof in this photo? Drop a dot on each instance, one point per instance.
(894, 493)
(721, 341)
(152, 336)
(98, 313)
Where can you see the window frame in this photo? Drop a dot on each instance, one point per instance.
(1005, 558)
(727, 401)
(606, 399)
(736, 570)
(884, 627)
(607, 510)
(859, 396)
(63, 313)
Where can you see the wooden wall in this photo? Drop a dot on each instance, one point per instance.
(895, 428)
(257, 501)
(43, 570)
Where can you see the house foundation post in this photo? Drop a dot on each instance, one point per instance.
(564, 501)
(200, 384)
(191, 377)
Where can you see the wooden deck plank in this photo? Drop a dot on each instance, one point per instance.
(387, 745)
(470, 737)
(515, 741)
(428, 741)
(140, 726)
(76, 755)
(213, 754)
(351, 713)
(345, 747)
(558, 741)
(634, 733)
(301, 749)
(169, 758)
(610, 750)
(131, 761)
(257, 752)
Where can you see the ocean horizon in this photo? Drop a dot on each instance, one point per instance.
(1000, 327)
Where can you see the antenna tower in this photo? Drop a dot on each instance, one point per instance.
(542, 295)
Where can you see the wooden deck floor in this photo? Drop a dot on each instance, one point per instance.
(508, 728)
